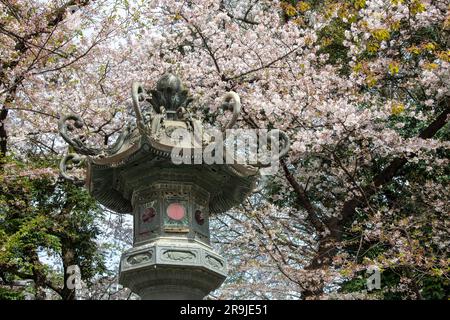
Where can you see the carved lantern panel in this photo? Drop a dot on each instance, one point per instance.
(168, 209)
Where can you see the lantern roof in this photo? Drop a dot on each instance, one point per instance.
(151, 150)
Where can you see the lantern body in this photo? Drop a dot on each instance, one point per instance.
(171, 203)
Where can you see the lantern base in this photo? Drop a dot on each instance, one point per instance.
(171, 268)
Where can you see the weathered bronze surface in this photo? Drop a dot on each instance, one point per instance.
(171, 256)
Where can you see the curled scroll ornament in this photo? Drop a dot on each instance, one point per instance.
(72, 160)
(67, 163)
(232, 102)
(78, 144)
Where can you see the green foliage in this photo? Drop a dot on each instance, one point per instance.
(355, 284)
(332, 37)
(436, 288)
(7, 294)
(41, 213)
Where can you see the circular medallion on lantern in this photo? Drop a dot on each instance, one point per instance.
(148, 214)
(199, 217)
(176, 211)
